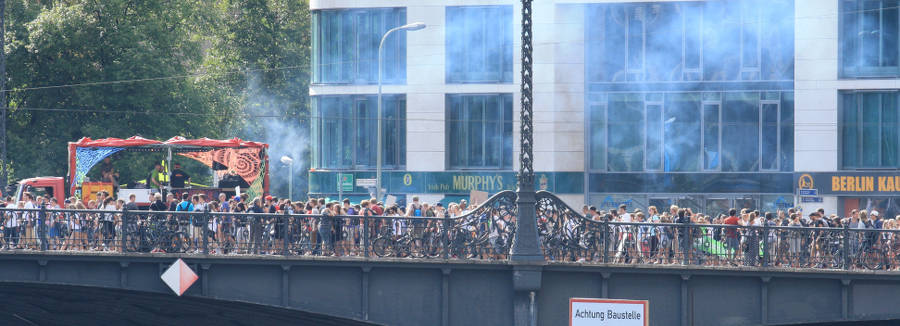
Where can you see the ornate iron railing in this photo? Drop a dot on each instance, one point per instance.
(484, 233)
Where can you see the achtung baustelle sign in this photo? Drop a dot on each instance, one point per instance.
(608, 312)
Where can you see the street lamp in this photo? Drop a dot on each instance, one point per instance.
(287, 160)
(408, 27)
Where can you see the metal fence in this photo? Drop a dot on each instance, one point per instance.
(720, 245)
(485, 233)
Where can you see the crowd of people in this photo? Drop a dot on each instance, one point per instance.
(100, 224)
(271, 225)
(788, 238)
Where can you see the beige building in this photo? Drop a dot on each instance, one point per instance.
(691, 103)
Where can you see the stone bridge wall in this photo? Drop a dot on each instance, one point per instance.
(404, 292)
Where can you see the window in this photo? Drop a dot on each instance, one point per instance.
(625, 136)
(868, 127)
(479, 44)
(691, 131)
(689, 41)
(344, 131)
(712, 131)
(345, 46)
(596, 130)
(740, 137)
(479, 131)
(869, 38)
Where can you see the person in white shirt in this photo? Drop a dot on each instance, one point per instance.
(11, 226)
(28, 219)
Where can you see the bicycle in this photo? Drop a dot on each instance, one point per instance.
(387, 244)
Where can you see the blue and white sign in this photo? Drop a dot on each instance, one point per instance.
(809, 192)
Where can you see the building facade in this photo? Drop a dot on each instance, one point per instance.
(701, 104)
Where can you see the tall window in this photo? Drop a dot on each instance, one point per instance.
(479, 44)
(344, 131)
(479, 131)
(691, 131)
(345, 46)
(869, 38)
(868, 125)
(690, 41)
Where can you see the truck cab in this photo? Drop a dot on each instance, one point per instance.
(39, 186)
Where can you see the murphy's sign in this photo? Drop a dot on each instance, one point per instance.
(849, 183)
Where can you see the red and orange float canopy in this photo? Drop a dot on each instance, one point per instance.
(246, 158)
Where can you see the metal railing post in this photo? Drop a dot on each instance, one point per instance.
(606, 239)
(41, 223)
(846, 244)
(205, 218)
(124, 228)
(284, 232)
(765, 244)
(445, 248)
(685, 242)
(365, 235)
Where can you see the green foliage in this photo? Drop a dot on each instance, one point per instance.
(67, 42)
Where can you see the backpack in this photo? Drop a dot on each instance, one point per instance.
(181, 207)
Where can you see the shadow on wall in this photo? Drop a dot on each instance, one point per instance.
(54, 304)
(892, 322)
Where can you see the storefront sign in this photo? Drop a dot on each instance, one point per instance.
(848, 183)
(450, 182)
(346, 182)
(608, 312)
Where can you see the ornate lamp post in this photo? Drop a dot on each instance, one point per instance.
(525, 252)
(525, 245)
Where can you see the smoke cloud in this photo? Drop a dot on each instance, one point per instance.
(287, 135)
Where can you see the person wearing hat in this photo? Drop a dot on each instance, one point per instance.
(269, 206)
(877, 223)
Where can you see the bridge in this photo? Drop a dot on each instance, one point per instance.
(515, 260)
(457, 272)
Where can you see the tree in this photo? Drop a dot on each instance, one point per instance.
(270, 38)
(84, 41)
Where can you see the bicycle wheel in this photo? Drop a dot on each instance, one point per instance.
(415, 247)
(382, 247)
(132, 242)
(872, 258)
(431, 246)
(179, 242)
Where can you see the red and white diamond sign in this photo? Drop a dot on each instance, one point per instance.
(179, 277)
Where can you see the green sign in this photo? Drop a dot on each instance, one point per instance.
(345, 182)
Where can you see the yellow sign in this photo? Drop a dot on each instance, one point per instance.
(478, 182)
(806, 182)
(865, 183)
(407, 179)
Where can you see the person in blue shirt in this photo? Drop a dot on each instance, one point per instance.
(185, 205)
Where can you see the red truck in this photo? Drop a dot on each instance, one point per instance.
(53, 186)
